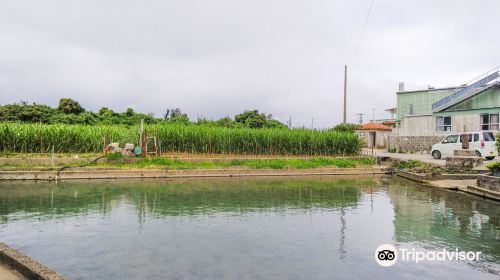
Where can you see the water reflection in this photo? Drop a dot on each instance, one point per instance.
(287, 228)
(179, 197)
(437, 219)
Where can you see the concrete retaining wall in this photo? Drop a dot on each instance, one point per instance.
(489, 182)
(25, 265)
(163, 173)
(422, 178)
(413, 143)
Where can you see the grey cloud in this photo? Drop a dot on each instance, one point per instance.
(217, 58)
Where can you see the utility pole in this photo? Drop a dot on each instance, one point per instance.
(290, 122)
(345, 92)
(312, 123)
(373, 116)
(360, 118)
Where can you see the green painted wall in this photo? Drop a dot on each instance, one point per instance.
(487, 102)
(469, 112)
(488, 99)
(421, 101)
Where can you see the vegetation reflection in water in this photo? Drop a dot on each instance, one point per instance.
(179, 197)
(329, 227)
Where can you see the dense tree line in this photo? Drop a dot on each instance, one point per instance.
(70, 111)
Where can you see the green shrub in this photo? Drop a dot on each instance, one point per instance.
(417, 166)
(114, 156)
(494, 166)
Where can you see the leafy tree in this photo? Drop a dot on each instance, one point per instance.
(70, 112)
(182, 119)
(69, 106)
(348, 127)
(275, 124)
(106, 111)
(252, 119)
(24, 112)
(130, 112)
(174, 113)
(228, 122)
(205, 122)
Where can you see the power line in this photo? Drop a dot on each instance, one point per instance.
(363, 32)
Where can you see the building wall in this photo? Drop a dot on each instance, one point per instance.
(417, 126)
(419, 102)
(488, 99)
(426, 125)
(416, 123)
(418, 133)
(381, 137)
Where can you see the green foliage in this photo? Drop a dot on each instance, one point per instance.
(258, 163)
(69, 111)
(26, 113)
(69, 106)
(174, 113)
(114, 156)
(417, 166)
(229, 123)
(173, 137)
(129, 113)
(270, 123)
(254, 119)
(347, 127)
(494, 165)
(182, 119)
(498, 142)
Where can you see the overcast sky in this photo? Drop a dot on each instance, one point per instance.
(215, 58)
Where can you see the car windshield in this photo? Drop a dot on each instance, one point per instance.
(451, 139)
(489, 136)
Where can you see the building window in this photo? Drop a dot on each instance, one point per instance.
(443, 123)
(489, 122)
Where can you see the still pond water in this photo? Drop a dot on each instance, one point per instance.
(260, 228)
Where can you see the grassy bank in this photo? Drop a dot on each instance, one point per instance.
(255, 163)
(35, 138)
(169, 163)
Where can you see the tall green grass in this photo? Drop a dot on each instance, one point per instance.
(16, 137)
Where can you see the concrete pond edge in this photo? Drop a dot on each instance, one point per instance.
(28, 267)
(427, 179)
(73, 174)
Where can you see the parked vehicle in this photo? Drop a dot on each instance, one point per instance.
(483, 143)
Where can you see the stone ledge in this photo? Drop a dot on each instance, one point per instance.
(27, 266)
(483, 192)
(489, 182)
(422, 178)
(164, 173)
(463, 162)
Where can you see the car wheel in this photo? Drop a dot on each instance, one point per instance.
(490, 158)
(478, 154)
(436, 154)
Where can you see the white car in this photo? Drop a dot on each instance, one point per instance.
(483, 143)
